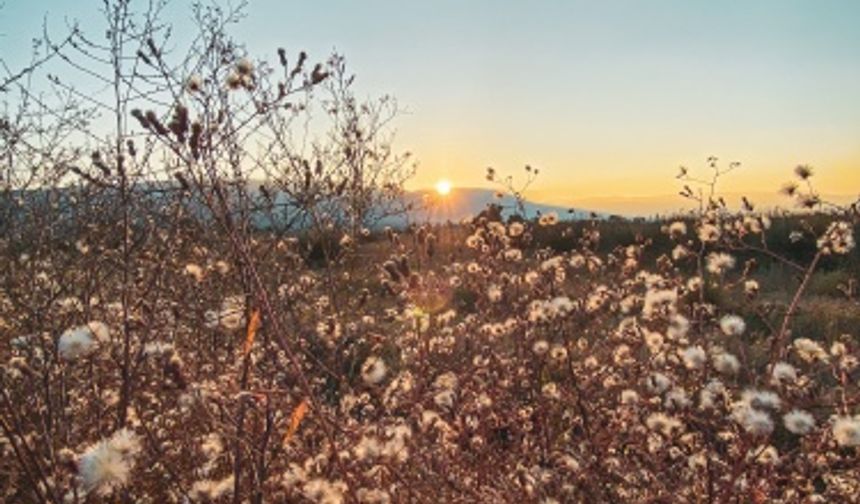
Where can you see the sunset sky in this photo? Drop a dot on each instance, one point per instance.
(607, 98)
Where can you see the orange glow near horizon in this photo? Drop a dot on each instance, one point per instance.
(633, 183)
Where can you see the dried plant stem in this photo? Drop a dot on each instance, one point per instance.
(778, 348)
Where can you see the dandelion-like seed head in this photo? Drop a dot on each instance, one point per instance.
(106, 465)
(726, 363)
(798, 422)
(373, 370)
(809, 350)
(755, 422)
(677, 229)
(846, 431)
(783, 373)
(719, 262)
(82, 341)
(732, 325)
(708, 233)
(694, 357)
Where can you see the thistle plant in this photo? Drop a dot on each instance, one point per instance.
(170, 334)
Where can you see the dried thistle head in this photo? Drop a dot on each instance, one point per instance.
(789, 189)
(194, 84)
(234, 81)
(803, 172)
(244, 66)
(808, 200)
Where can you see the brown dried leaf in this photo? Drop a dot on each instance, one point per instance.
(295, 420)
(253, 326)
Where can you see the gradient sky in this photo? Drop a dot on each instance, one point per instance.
(606, 97)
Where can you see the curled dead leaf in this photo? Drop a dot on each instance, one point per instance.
(253, 326)
(296, 419)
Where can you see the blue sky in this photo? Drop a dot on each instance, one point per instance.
(608, 97)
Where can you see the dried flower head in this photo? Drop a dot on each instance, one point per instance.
(798, 422)
(83, 340)
(106, 465)
(373, 370)
(732, 325)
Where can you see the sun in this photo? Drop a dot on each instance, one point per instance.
(443, 187)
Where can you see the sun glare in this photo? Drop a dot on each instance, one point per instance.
(443, 187)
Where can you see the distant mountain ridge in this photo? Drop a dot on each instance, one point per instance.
(467, 202)
(428, 206)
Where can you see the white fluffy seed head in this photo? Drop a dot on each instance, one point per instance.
(694, 357)
(373, 370)
(726, 363)
(783, 373)
(106, 465)
(83, 340)
(846, 431)
(756, 422)
(732, 325)
(798, 422)
(719, 262)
